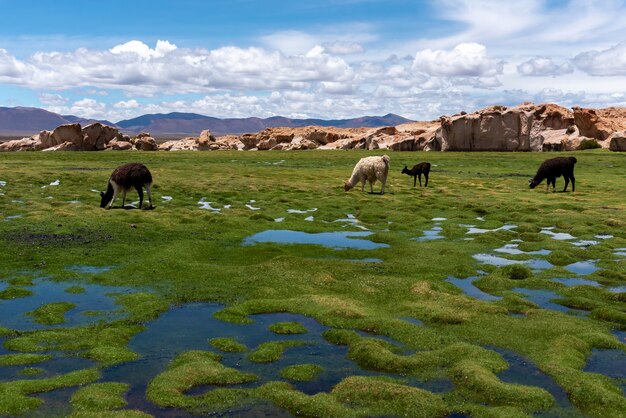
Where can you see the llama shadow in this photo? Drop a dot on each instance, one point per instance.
(130, 207)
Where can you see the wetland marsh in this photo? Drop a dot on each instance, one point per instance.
(475, 296)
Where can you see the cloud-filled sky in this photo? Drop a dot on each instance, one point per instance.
(329, 58)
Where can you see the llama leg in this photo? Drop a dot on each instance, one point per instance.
(382, 189)
(573, 182)
(113, 198)
(415, 181)
(566, 182)
(148, 191)
(123, 198)
(140, 193)
(363, 185)
(420, 177)
(426, 177)
(371, 187)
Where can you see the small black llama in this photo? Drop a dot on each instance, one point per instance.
(123, 178)
(553, 168)
(417, 171)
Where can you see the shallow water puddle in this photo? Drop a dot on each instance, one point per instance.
(560, 236)
(167, 198)
(473, 230)
(351, 220)
(620, 252)
(494, 260)
(574, 281)
(174, 333)
(524, 372)
(335, 240)
(94, 298)
(611, 363)
(468, 287)
(301, 210)
(583, 267)
(203, 204)
(514, 250)
(54, 183)
(309, 219)
(11, 217)
(543, 299)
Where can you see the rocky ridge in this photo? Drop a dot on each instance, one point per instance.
(526, 127)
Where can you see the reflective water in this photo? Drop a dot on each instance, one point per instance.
(494, 260)
(335, 240)
(583, 267)
(513, 249)
(474, 230)
(575, 281)
(174, 333)
(94, 298)
(468, 287)
(89, 269)
(543, 299)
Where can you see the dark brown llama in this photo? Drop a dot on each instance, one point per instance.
(553, 168)
(417, 171)
(123, 178)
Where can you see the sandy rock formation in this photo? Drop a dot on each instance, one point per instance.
(24, 144)
(498, 128)
(144, 142)
(600, 123)
(96, 136)
(617, 141)
(119, 145)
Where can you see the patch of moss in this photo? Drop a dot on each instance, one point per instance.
(287, 328)
(196, 368)
(75, 290)
(15, 293)
(298, 403)
(301, 372)
(31, 371)
(517, 272)
(229, 345)
(100, 397)
(383, 398)
(14, 399)
(21, 281)
(51, 313)
(21, 359)
(142, 306)
(272, 350)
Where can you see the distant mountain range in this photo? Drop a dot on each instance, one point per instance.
(27, 121)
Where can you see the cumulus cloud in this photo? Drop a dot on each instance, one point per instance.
(52, 99)
(144, 51)
(543, 66)
(128, 104)
(466, 59)
(343, 48)
(609, 62)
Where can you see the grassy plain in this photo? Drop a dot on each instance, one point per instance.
(180, 253)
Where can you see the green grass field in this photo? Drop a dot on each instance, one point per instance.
(180, 253)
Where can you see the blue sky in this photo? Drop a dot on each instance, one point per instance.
(330, 59)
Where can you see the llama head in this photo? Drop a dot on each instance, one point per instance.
(405, 170)
(532, 183)
(105, 198)
(347, 186)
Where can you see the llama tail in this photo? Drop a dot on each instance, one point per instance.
(386, 159)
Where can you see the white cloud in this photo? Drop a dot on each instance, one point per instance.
(466, 59)
(609, 62)
(343, 48)
(144, 51)
(542, 67)
(128, 104)
(52, 99)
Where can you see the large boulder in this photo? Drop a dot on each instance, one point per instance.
(185, 144)
(119, 145)
(145, 143)
(205, 140)
(498, 128)
(96, 136)
(617, 141)
(599, 123)
(65, 146)
(24, 144)
(71, 132)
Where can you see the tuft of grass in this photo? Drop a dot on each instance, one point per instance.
(22, 359)
(99, 397)
(51, 313)
(229, 345)
(75, 290)
(517, 272)
(272, 350)
(31, 371)
(301, 372)
(287, 328)
(15, 293)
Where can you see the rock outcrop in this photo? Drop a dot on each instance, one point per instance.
(499, 128)
(527, 127)
(617, 141)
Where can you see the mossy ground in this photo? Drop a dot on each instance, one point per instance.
(180, 253)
